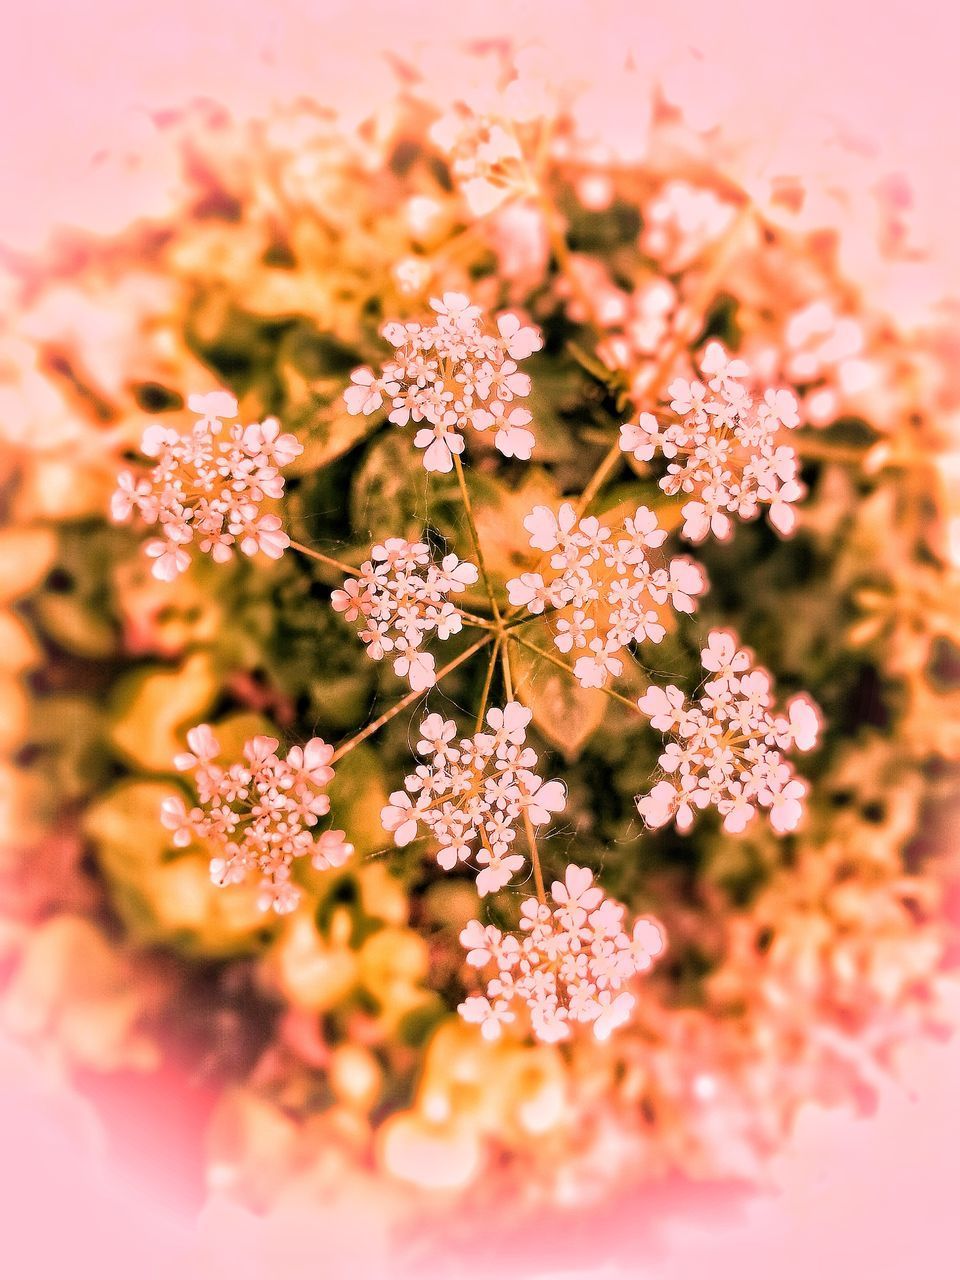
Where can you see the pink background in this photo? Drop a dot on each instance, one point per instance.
(852, 1197)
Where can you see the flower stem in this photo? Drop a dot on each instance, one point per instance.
(487, 682)
(511, 621)
(348, 569)
(476, 621)
(405, 702)
(599, 478)
(461, 479)
(527, 824)
(565, 666)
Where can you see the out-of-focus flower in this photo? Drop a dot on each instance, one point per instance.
(641, 324)
(452, 375)
(401, 595)
(258, 814)
(728, 748)
(681, 222)
(79, 1000)
(207, 490)
(472, 794)
(412, 274)
(483, 132)
(569, 965)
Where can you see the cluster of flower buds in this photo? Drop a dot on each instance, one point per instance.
(728, 746)
(471, 794)
(451, 375)
(603, 587)
(401, 595)
(208, 488)
(726, 449)
(570, 965)
(259, 814)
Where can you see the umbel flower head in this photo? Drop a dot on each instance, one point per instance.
(450, 375)
(570, 964)
(471, 795)
(259, 814)
(401, 596)
(208, 488)
(604, 586)
(728, 746)
(727, 450)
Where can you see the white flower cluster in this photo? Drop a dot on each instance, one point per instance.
(604, 586)
(401, 595)
(207, 488)
(569, 966)
(471, 794)
(726, 448)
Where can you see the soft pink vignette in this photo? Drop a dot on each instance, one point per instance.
(852, 1196)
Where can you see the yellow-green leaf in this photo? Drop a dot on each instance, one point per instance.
(155, 707)
(565, 713)
(26, 554)
(357, 794)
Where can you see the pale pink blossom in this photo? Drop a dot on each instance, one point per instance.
(402, 597)
(451, 375)
(203, 748)
(331, 850)
(400, 817)
(728, 748)
(522, 340)
(805, 722)
(571, 964)
(258, 814)
(208, 488)
(644, 437)
(365, 396)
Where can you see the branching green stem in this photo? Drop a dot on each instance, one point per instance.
(405, 702)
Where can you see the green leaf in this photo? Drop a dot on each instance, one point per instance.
(326, 435)
(357, 794)
(26, 554)
(71, 729)
(124, 824)
(153, 708)
(564, 712)
(389, 495)
(499, 513)
(75, 605)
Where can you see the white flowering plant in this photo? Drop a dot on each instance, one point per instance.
(604, 596)
(422, 739)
